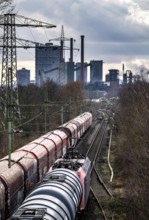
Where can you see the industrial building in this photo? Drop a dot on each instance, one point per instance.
(70, 71)
(78, 72)
(50, 64)
(96, 71)
(23, 77)
(113, 78)
(47, 63)
(128, 77)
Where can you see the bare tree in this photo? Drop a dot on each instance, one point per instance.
(133, 151)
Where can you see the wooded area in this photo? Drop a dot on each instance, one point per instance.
(132, 159)
(42, 110)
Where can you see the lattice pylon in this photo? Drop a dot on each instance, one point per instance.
(9, 99)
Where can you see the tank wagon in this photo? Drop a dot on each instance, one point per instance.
(62, 193)
(31, 162)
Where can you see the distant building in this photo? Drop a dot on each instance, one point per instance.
(47, 64)
(107, 78)
(70, 71)
(128, 77)
(114, 81)
(124, 78)
(96, 71)
(113, 75)
(78, 72)
(32, 82)
(23, 77)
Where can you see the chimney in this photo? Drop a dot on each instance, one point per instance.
(123, 68)
(82, 59)
(71, 50)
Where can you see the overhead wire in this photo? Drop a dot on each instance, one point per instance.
(29, 120)
(33, 55)
(32, 34)
(24, 122)
(46, 35)
(49, 133)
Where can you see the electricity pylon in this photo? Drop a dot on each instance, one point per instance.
(9, 96)
(62, 71)
(9, 90)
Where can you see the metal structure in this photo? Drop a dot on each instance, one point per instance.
(9, 67)
(9, 60)
(9, 90)
(62, 39)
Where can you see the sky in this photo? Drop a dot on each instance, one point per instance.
(116, 31)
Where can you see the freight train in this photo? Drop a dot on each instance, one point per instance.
(62, 193)
(31, 162)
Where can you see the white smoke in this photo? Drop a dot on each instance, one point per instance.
(138, 12)
(140, 70)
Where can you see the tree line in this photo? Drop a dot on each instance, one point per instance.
(42, 109)
(132, 159)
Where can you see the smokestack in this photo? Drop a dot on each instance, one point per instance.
(82, 59)
(123, 68)
(71, 50)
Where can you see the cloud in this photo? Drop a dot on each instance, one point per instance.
(138, 12)
(114, 30)
(99, 20)
(143, 4)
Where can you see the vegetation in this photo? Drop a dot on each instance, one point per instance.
(132, 159)
(42, 110)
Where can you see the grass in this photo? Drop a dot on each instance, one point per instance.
(115, 207)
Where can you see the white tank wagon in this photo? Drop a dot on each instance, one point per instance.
(63, 192)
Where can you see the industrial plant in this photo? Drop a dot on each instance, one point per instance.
(50, 63)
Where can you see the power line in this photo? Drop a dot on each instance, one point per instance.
(29, 120)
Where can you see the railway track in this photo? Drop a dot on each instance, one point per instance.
(96, 142)
(92, 148)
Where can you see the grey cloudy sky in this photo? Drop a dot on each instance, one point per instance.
(116, 31)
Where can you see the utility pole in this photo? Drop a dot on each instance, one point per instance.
(45, 103)
(10, 111)
(9, 100)
(70, 102)
(42, 73)
(62, 115)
